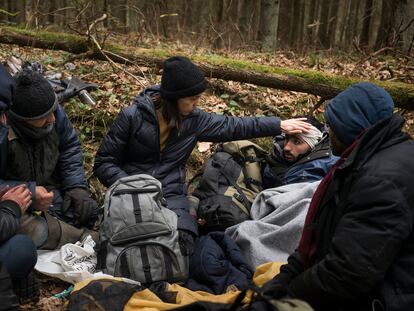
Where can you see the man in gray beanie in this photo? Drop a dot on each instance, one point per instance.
(303, 157)
(357, 246)
(40, 149)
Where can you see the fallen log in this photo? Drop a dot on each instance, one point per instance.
(44, 40)
(213, 66)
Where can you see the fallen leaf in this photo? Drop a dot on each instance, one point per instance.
(108, 85)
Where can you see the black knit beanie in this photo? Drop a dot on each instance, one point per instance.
(181, 78)
(34, 99)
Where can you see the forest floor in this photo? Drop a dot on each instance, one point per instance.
(117, 88)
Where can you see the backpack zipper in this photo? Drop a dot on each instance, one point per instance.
(138, 190)
(141, 237)
(174, 258)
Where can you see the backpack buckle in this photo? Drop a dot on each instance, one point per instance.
(251, 159)
(252, 181)
(238, 197)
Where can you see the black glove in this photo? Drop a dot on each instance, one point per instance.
(276, 288)
(85, 209)
(186, 241)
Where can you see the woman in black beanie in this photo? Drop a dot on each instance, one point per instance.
(156, 134)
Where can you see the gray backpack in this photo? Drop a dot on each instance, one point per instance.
(139, 236)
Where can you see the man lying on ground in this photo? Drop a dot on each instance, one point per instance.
(303, 157)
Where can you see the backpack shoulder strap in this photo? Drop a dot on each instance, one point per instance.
(233, 183)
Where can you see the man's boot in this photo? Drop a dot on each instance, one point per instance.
(26, 288)
(34, 226)
(8, 299)
(61, 233)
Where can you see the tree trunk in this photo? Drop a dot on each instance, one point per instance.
(307, 19)
(117, 15)
(230, 15)
(323, 29)
(198, 10)
(299, 40)
(246, 15)
(11, 7)
(366, 22)
(354, 25)
(60, 16)
(339, 25)
(350, 23)
(256, 20)
(375, 22)
(51, 12)
(386, 27)
(317, 19)
(21, 8)
(269, 20)
(127, 15)
(310, 25)
(359, 17)
(333, 22)
(216, 38)
(284, 25)
(404, 24)
(294, 34)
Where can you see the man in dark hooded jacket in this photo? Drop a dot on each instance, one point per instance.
(17, 252)
(40, 149)
(357, 247)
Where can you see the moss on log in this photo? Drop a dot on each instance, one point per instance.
(44, 40)
(214, 66)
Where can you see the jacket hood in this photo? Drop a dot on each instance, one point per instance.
(7, 89)
(357, 108)
(144, 99)
(382, 135)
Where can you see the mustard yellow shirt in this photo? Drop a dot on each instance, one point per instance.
(164, 129)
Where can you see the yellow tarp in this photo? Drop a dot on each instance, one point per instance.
(146, 300)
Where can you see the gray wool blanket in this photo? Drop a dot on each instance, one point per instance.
(278, 216)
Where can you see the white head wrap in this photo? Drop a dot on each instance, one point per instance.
(312, 137)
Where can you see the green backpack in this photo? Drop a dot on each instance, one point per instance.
(229, 184)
